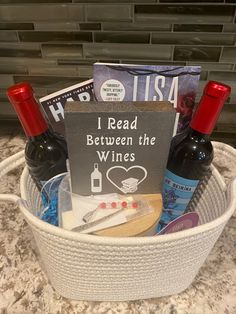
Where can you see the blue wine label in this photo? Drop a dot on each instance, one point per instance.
(177, 193)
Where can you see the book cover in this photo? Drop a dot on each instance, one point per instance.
(118, 147)
(126, 82)
(53, 104)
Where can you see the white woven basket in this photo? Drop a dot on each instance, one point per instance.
(87, 267)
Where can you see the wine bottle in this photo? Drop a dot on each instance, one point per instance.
(45, 151)
(191, 154)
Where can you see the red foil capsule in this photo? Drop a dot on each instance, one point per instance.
(207, 112)
(27, 108)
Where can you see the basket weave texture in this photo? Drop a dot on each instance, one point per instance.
(87, 267)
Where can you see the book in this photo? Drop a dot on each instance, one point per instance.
(118, 147)
(126, 82)
(53, 104)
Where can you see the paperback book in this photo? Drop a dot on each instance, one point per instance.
(53, 104)
(126, 82)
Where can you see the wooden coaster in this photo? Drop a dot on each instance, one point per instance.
(143, 226)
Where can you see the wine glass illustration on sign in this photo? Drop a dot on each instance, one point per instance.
(96, 180)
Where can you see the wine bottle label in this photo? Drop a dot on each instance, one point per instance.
(177, 193)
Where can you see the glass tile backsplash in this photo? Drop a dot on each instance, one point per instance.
(53, 43)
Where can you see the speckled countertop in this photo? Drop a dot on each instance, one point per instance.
(24, 288)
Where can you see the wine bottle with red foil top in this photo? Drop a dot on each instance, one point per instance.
(45, 151)
(191, 154)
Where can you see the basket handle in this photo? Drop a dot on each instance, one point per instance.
(231, 190)
(6, 166)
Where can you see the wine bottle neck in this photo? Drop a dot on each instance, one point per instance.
(198, 136)
(31, 117)
(27, 108)
(40, 137)
(208, 110)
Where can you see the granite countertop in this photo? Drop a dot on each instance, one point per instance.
(24, 288)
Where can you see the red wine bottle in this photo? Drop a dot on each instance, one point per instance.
(191, 154)
(45, 151)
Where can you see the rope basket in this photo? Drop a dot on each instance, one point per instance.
(94, 268)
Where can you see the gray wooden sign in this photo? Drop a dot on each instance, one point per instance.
(118, 147)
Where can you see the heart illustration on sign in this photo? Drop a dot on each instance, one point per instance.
(125, 179)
